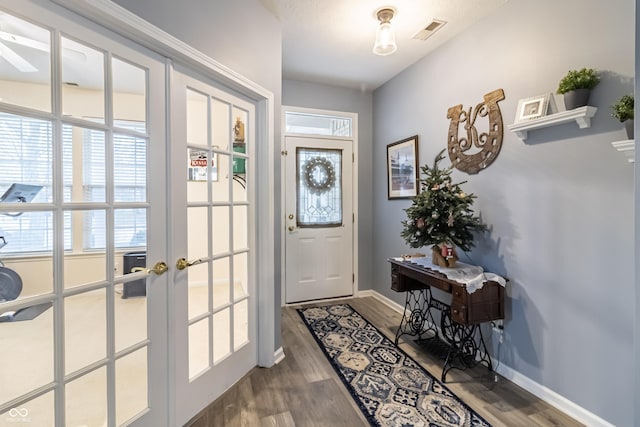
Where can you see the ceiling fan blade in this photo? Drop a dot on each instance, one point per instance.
(68, 53)
(24, 41)
(16, 60)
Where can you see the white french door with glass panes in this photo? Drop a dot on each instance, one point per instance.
(212, 164)
(82, 179)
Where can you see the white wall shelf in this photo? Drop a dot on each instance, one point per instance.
(582, 116)
(627, 147)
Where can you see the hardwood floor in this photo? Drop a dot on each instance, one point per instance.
(303, 390)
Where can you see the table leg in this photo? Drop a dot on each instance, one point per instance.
(417, 319)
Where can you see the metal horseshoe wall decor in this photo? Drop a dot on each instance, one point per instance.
(489, 143)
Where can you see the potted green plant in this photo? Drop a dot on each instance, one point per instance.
(441, 216)
(576, 87)
(623, 111)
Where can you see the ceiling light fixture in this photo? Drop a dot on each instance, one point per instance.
(385, 38)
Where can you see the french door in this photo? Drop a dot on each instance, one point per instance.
(82, 168)
(212, 160)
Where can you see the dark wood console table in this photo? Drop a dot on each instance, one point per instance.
(459, 337)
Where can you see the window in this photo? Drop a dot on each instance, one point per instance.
(316, 124)
(26, 145)
(27, 150)
(130, 177)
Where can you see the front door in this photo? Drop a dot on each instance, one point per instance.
(319, 218)
(82, 178)
(213, 240)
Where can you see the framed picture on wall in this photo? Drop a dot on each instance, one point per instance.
(533, 107)
(402, 168)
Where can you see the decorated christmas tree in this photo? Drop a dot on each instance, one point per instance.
(441, 215)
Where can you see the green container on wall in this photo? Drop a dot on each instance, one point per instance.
(239, 163)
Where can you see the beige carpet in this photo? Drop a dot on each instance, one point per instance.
(26, 359)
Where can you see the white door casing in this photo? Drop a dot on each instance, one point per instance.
(318, 257)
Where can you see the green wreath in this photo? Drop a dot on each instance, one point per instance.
(327, 175)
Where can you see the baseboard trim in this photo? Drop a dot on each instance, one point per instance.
(543, 393)
(551, 397)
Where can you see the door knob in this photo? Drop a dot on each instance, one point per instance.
(159, 268)
(182, 263)
(291, 228)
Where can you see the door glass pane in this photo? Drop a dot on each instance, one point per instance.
(240, 324)
(129, 93)
(316, 124)
(86, 399)
(130, 168)
(240, 227)
(197, 123)
(83, 164)
(319, 187)
(220, 188)
(198, 289)
(198, 171)
(21, 340)
(82, 81)
(85, 329)
(240, 276)
(198, 232)
(26, 145)
(130, 229)
(131, 385)
(36, 412)
(221, 282)
(26, 276)
(221, 124)
(25, 63)
(130, 318)
(198, 347)
(79, 267)
(220, 222)
(240, 179)
(221, 334)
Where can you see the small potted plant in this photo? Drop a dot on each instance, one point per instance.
(576, 87)
(623, 111)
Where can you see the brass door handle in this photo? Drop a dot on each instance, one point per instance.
(159, 268)
(182, 263)
(291, 228)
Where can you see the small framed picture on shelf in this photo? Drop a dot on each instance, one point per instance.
(533, 107)
(402, 168)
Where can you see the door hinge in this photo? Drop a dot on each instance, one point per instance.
(284, 152)
(353, 218)
(353, 157)
(353, 278)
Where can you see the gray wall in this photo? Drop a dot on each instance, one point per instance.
(241, 35)
(325, 97)
(560, 205)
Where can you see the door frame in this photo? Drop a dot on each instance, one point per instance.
(354, 185)
(130, 26)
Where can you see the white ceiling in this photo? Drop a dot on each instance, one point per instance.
(331, 41)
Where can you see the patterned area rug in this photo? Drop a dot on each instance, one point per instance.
(390, 388)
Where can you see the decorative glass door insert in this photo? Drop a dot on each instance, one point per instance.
(319, 187)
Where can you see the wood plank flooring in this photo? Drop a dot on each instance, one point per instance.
(303, 390)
